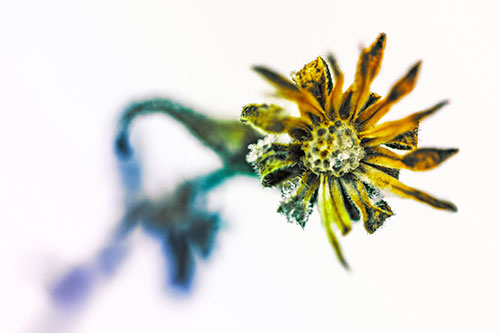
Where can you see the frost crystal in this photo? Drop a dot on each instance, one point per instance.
(293, 205)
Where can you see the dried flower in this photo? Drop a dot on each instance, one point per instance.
(336, 153)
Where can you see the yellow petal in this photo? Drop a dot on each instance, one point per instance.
(385, 182)
(336, 245)
(384, 157)
(387, 131)
(273, 119)
(346, 105)
(405, 141)
(335, 96)
(314, 78)
(331, 205)
(418, 160)
(329, 216)
(277, 80)
(347, 196)
(307, 104)
(403, 87)
(427, 158)
(368, 67)
(372, 99)
(373, 215)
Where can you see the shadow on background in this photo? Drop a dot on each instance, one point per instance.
(178, 219)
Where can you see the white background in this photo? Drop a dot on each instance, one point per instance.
(67, 68)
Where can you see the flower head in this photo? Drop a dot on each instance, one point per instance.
(336, 153)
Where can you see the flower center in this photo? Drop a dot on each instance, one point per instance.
(334, 149)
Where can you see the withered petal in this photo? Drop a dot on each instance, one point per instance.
(368, 67)
(417, 160)
(331, 205)
(405, 141)
(314, 78)
(374, 215)
(275, 162)
(403, 87)
(273, 119)
(306, 101)
(385, 182)
(389, 130)
(335, 96)
(427, 158)
(297, 206)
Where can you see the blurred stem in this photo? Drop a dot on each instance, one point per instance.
(228, 138)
